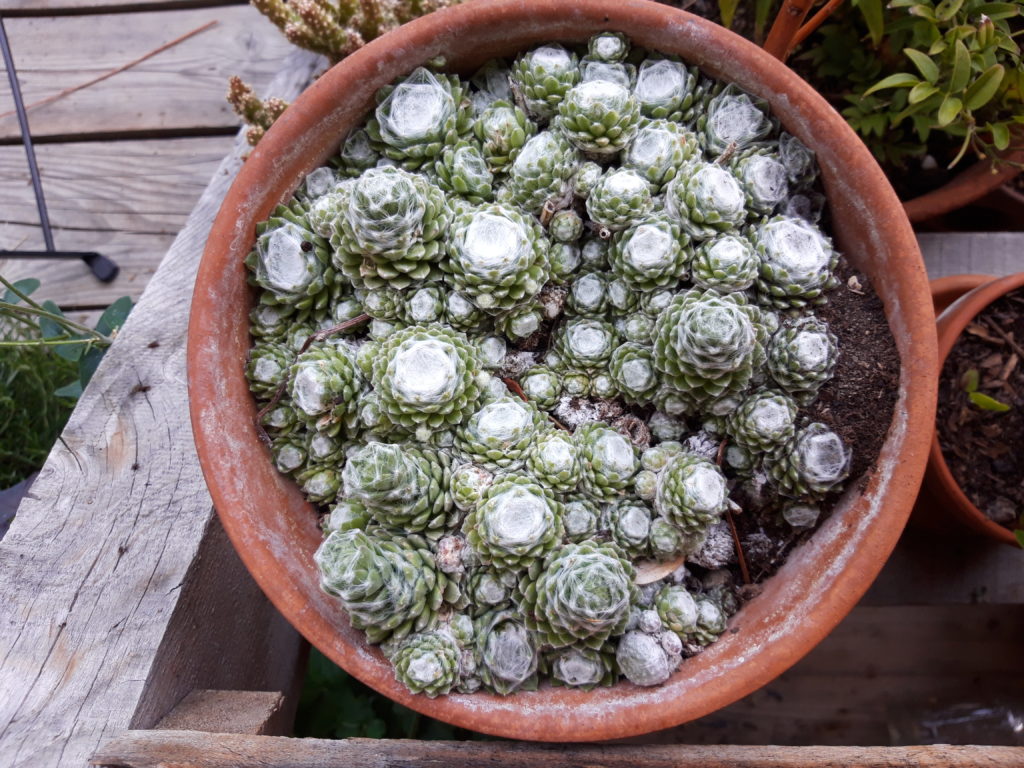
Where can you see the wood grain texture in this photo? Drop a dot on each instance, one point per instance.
(259, 713)
(193, 749)
(102, 572)
(181, 88)
(125, 199)
(984, 253)
(51, 7)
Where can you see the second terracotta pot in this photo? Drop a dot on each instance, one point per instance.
(940, 491)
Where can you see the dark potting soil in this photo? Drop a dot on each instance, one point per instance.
(982, 447)
(857, 403)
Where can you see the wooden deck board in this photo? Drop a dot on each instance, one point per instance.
(180, 89)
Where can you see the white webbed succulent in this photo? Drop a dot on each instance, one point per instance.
(796, 263)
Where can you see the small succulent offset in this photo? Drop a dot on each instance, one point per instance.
(521, 289)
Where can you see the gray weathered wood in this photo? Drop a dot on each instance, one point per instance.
(984, 253)
(181, 88)
(193, 749)
(109, 575)
(47, 7)
(260, 713)
(125, 199)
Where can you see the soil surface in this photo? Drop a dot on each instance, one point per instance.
(982, 446)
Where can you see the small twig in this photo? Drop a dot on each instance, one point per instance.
(111, 73)
(1009, 368)
(279, 392)
(720, 455)
(1005, 336)
(981, 333)
(724, 158)
(814, 22)
(744, 571)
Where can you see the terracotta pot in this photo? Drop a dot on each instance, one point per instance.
(275, 530)
(940, 488)
(969, 185)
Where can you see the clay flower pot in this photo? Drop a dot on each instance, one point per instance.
(275, 530)
(965, 188)
(941, 492)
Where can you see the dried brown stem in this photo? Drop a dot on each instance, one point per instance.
(1004, 335)
(514, 387)
(744, 571)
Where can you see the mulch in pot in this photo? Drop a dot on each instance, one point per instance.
(983, 447)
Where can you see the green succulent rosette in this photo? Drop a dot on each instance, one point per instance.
(813, 463)
(427, 375)
(554, 460)
(506, 652)
(540, 172)
(707, 345)
(580, 595)
(319, 483)
(419, 116)
(599, 116)
(802, 356)
(502, 130)
(763, 177)
(402, 487)
(324, 385)
(565, 226)
(355, 155)
(797, 263)
(542, 77)
(608, 46)
(267, 367)
(490, 589)
(517, 522)
(705, 199)
(665, 89)
(427, 663)
(542, 386)
(588, 296)
(288, 450)
(388, 585)
(659, 151)
(498, 435)
(462, 170)
(801, 168)
(585, 178)
(619, 200)
(519, 323)
(691, 492)
(462, 314)
(581, 516)
(764, 420)
(497, 258)
(585, 344)
(290, 262)
(711, 622)
(468, 484)
(677, 609)
(608, 460)
(726, 263)
(652, 254)
(392, 231)
(423, 305)
(733, 119)
(628, 522)
(577, 666)
(633, 372)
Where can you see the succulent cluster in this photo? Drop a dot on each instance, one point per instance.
(525, 289)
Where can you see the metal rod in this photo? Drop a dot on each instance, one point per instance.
(19, 106)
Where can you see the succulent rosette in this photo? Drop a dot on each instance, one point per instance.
(814, 462)
(507, 652)
(802, 356)
(428, 663)
(652, 254)
(608, 460)
(659, 151)
(691, 492)
(797, 263)
(540, 172)
(543, 76)
(620, 199)
(599, 116)
(706, 199)
(554, 459)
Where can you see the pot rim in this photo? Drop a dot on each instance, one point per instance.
(950, 325)
(821, 581)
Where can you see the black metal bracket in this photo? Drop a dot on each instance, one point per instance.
(103, 268)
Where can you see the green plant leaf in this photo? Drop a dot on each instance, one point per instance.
(996, 11)
(947, 9)
(727, 10)
(923, 11)
(987, 403)
(1020, 537)
(938, 47)
(27, 286)
(72, 390)
(88, 364)
(1000, 135)
(961, 68)
(929, 69)
(950, 108)
(51, 329)
(969, 381)
(113, 317)
(899, 80)
(762, 11)
(984, 88)
(874, 16)
(922, 91)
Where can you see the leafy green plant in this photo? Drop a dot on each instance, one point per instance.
(969, 382)
(914, 71)
(46, 359)
(334, 705)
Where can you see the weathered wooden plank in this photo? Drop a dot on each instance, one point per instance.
(193, 749)
(986, 253)
(139, 186)
(181, 88)
(111, 571)
(69, 282)
(258, 713)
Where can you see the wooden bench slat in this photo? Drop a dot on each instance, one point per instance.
(179, 89)
(193, 749)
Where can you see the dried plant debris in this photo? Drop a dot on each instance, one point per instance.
(529, 335)
(981, 410)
